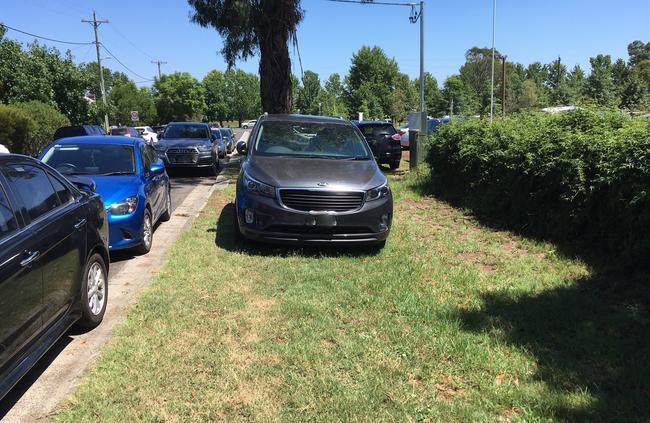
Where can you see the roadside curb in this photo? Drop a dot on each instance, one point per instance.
(78, 352)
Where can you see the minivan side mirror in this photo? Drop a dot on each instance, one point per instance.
(242, 148)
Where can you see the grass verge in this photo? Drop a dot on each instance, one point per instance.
(450, 322)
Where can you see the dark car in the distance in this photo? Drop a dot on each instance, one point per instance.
(53, 262)
(311, 180)
(384, 140)
(77, 131)
(189, 144)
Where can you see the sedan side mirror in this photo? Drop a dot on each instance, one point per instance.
(157, 168)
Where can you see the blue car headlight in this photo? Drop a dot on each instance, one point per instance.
(381, 191)
(126, 206)
(254, 186)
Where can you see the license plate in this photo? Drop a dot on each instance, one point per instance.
(326, 220)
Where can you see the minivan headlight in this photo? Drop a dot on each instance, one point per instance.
(378, 192)
(256, 187)
(126, 206)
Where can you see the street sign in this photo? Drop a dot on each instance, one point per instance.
(135, 116)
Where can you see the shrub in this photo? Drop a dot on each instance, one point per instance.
(15, 126)
(580, 176)
(46, 120)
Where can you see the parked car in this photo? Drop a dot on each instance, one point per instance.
(147, 134)
(189, 144)
(384, 141)
(404, 137)
(130, 178)
(54, 262)
(125, 131)
(311, 180)
(227, 135)
(159, 129)
(248, 124)
(3, 149)
(78, 131)
(221, 146)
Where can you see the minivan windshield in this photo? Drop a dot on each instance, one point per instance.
(187, 131)
(91, 159)
(310, 140)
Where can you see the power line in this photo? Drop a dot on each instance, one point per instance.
(43, 38)
(123, 65)
(114, 28)
(384, 3)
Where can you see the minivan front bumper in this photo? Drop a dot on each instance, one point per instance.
(269, 221)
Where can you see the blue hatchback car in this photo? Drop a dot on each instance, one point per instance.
(130, 178)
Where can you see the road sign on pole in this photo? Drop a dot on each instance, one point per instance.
(135, 116)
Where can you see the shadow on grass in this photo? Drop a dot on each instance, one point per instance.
(591, 336)
(225, 238)
(582, 342)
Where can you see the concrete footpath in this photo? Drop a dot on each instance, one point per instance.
(56, 376)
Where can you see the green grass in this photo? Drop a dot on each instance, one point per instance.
(451, 321)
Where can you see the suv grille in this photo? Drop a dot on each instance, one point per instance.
(182, 155)
(308, 200)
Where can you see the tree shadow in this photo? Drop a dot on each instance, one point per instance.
(226, 238)
(591, 336)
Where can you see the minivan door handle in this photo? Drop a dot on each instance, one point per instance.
(33, 255)
(80, 223)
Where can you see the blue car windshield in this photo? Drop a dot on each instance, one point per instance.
(91, 159)
(310, 140)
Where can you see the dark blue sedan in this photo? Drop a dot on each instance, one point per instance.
(130, 178)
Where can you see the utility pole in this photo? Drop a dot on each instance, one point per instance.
(159, 62)
(503, 84)
(96, 24)
(494, 19)
(451, 108)
(422, 110)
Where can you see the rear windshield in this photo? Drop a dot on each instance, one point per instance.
(187, 131)
(317, 140)
(91, 159)
(379, 129)
(69, 131)
(119, 131)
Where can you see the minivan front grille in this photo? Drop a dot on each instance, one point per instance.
(317, 200)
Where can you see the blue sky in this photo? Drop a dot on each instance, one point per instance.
(142, 30)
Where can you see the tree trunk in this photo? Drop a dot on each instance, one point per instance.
(275, 64)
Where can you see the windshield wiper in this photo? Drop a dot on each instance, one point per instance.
(355, 158)
(116, 173)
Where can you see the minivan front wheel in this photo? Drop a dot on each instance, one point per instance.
(94, 292)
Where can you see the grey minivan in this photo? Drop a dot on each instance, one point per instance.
(311, 180)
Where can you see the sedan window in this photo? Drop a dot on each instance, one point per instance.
(8, 222)
(33, 187)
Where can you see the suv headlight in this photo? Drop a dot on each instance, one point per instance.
(205, 148)
(378, 192)
(126, 206)
(256, 187)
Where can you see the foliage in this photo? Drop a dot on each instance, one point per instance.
(46, 119)
(250, 27)
(581, 175)
(126, 97)
(179, 97)
(216, 100)
(242, 94)
(309, 94)
(15, 127)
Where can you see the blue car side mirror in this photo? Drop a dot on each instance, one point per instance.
(157, 168)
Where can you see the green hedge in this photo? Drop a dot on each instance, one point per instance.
(26, 128)
(580, 176)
